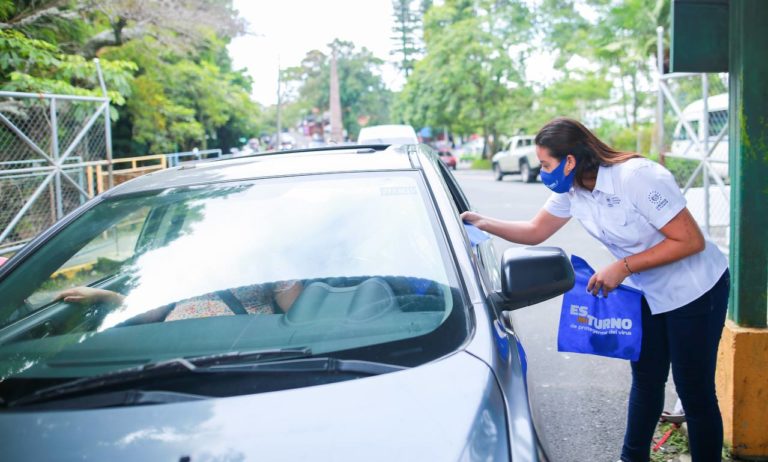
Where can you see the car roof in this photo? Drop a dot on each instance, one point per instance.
(714, 103)
(352, 158)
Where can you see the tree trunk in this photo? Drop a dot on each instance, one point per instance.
(635, 100)
(635, 104)
(624, 101)
(117, 28)
(110, 38)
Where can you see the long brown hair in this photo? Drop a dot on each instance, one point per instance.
(563, 136)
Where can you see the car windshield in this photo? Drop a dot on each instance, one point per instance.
(351, 265)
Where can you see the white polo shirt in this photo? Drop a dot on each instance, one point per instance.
(630, 203)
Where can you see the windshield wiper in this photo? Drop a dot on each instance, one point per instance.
(253, 355)
(129, 397)
(213, 364)
(320, 364)
(160, 369)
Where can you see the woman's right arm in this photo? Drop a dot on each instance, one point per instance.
(532, 232)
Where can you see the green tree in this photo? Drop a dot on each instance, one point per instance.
(94, 24)
(620, 37)
(185, 93)
(183, 101)
(472, 76)
(579, 95)
(363, 94)
(406, 28)
(32, 65)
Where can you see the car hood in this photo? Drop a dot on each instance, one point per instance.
(447, 410)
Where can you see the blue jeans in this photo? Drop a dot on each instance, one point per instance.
(687, 338)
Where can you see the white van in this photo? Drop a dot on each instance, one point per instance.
(682, 144)
(387, 134)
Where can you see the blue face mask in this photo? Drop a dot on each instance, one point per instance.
(557, 180)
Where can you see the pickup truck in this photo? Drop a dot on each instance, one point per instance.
(519, 156)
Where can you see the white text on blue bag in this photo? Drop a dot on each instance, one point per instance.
(583, 317)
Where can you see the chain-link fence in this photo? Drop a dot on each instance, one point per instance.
(694, 111)
(47, 143)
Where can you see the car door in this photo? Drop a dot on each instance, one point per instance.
(505, 161)
(484, 253)
(516, 152)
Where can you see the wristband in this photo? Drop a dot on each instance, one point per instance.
(626, 265)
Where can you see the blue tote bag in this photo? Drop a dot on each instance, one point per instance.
(605, 326)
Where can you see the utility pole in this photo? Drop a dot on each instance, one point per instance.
(337, 130)
(279, 128)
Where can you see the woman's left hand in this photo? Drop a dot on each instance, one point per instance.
(607, 278)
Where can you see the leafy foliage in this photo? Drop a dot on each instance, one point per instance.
(33, 65)
(165, 65)
(362, 91)
(407, 25)
(472, 77)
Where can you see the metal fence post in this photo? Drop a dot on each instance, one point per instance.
(107, 123)
(704, 128)
(57, 164)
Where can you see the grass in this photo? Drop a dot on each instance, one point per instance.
(481, 164)
(677, 444)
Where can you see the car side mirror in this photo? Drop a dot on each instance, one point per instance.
(531, 275)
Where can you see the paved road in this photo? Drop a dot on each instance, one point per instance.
(579, 401)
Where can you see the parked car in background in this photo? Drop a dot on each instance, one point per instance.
(683, 145)
(444, 152)
(470, 150)
(387, 134)
(287, 142)
(518, 156)
(398, 336)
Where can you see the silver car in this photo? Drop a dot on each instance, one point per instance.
(325, 305)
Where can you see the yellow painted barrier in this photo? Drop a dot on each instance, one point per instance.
(70, 271)
(123, 170)
(742, 389)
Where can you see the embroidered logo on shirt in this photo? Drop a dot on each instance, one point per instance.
(612, 200)
(657, 199)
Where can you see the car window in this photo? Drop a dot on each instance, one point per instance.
(490, 264)
(354, 263)
(99, 258)
(717, 120)
(456, 193)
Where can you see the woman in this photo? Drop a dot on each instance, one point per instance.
(634, 207)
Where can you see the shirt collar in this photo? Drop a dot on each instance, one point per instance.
(604, 181)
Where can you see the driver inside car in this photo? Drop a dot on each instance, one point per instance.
(271, 298)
